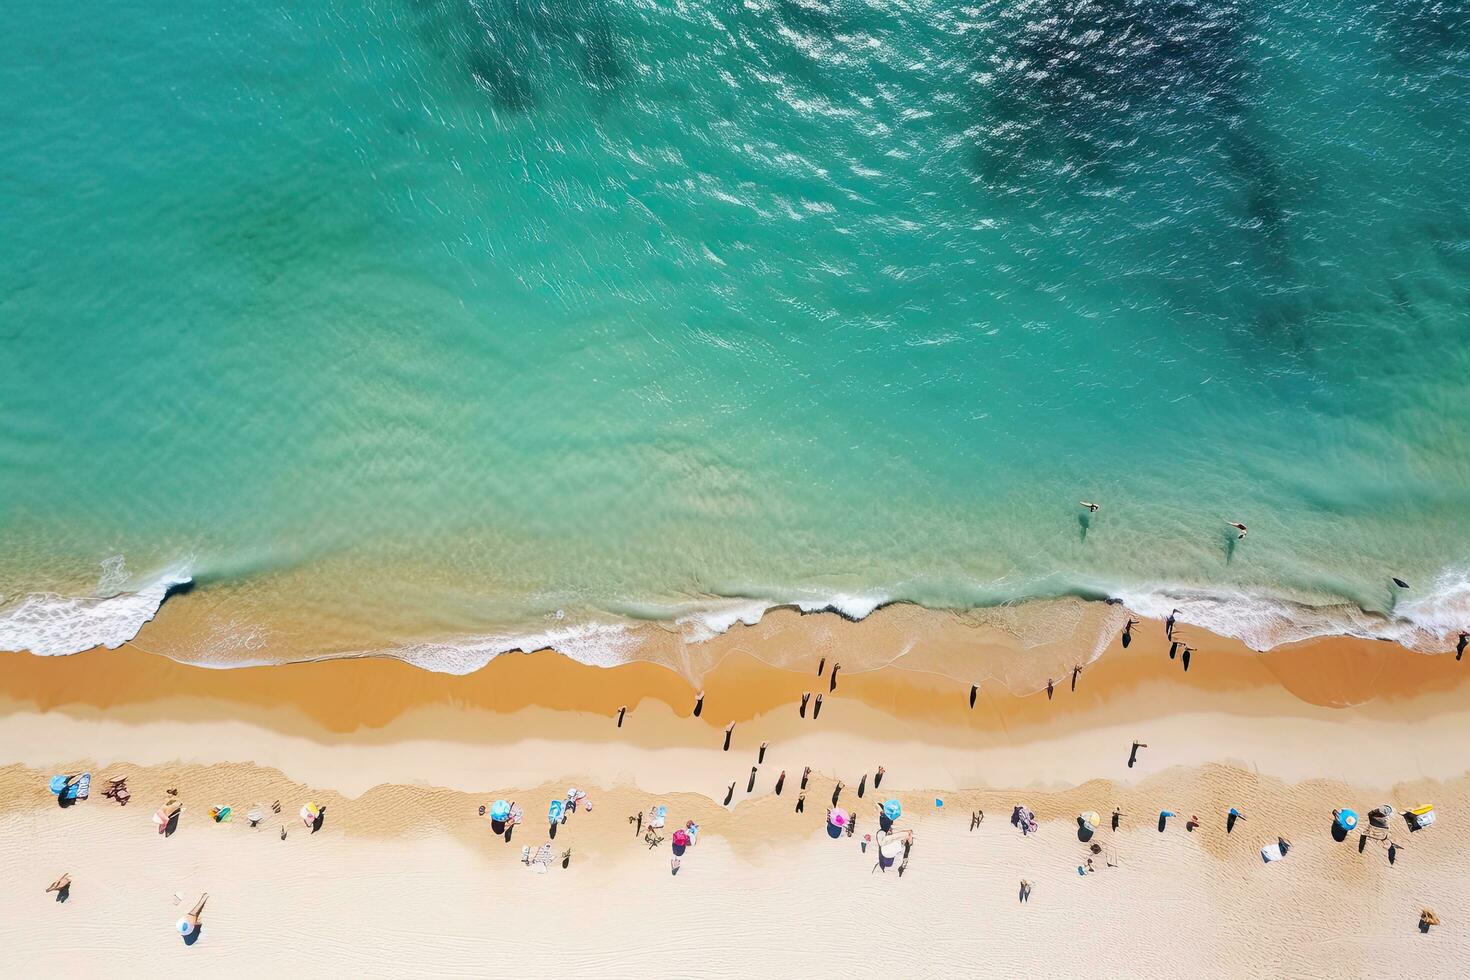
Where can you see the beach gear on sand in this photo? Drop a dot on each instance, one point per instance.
(938, 801)
(219, 814)
(1378, 816)
(1420, 817)
(656, 817)
(69, 789)
(500, 811)
(892, 809)
(553, 815)
(517, 814)
(1276, 851)
(1346, 819)
(526, 854)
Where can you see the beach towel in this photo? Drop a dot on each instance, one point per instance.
(1272, 852)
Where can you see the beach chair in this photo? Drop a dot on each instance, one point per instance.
(117, 789)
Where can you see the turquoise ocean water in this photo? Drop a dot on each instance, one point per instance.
(423, 320)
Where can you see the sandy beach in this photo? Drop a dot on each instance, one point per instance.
(405, 876)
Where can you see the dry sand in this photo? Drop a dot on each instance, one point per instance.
(405, 878)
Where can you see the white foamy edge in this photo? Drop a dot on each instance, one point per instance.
(1426, 624)
(51, 625)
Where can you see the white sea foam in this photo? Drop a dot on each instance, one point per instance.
(51, 625)
(1426, 624)
(596, 644)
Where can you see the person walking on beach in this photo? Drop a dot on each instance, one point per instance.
(1239, 527)
(833, 686)
(1133, 756)
(1025, 890)
(836, 792)
(805, 775)
(805, 697)
(750, 786)
(817, 708)
(1169, 625)
(1128, 632)
(729, 729)
(1076, 672)
(1185, 657)
(801, 803)
(780, 782)
(729, 794)
(61, 886)
(878, 777)
(862, 785)
(189, 924)
(761, 757)
(975, 689)
(1117, 815)
(698, 703)
(1092, 508)
(1048, 689)
(622, 711)
(822, 667)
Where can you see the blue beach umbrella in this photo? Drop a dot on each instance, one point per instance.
(892, 810)
(554, 814)
(499, 811)
(58, 783)
(1347, 819)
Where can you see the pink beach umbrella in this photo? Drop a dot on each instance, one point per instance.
(681, 838)
(837, 818)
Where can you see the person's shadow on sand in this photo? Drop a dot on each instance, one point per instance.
(321, 818)
(193, 937)
(172, 824)
(1339, 833)
(64, 892)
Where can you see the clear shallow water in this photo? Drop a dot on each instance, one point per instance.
(405, 321)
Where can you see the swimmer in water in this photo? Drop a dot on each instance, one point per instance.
(1091, 507)
(1460, 647)
(1239, 527)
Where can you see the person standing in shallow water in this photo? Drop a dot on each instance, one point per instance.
(833, 686)
(822, 667)
(1239, 527)
(1169, 625)
(698, 703)
(1460, 647)
(1076, 672)
(805, 697)
(817, 708)
(1128, 632)
(1048, 689)
(780, 782)
(729, 730)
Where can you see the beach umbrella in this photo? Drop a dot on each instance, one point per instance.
(837, 818)
(1090, 820)
(681, 838)
(309, 812)
(500, 811)
(892, 810)
(554, 814)
(58, 785)
(1347, 819)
